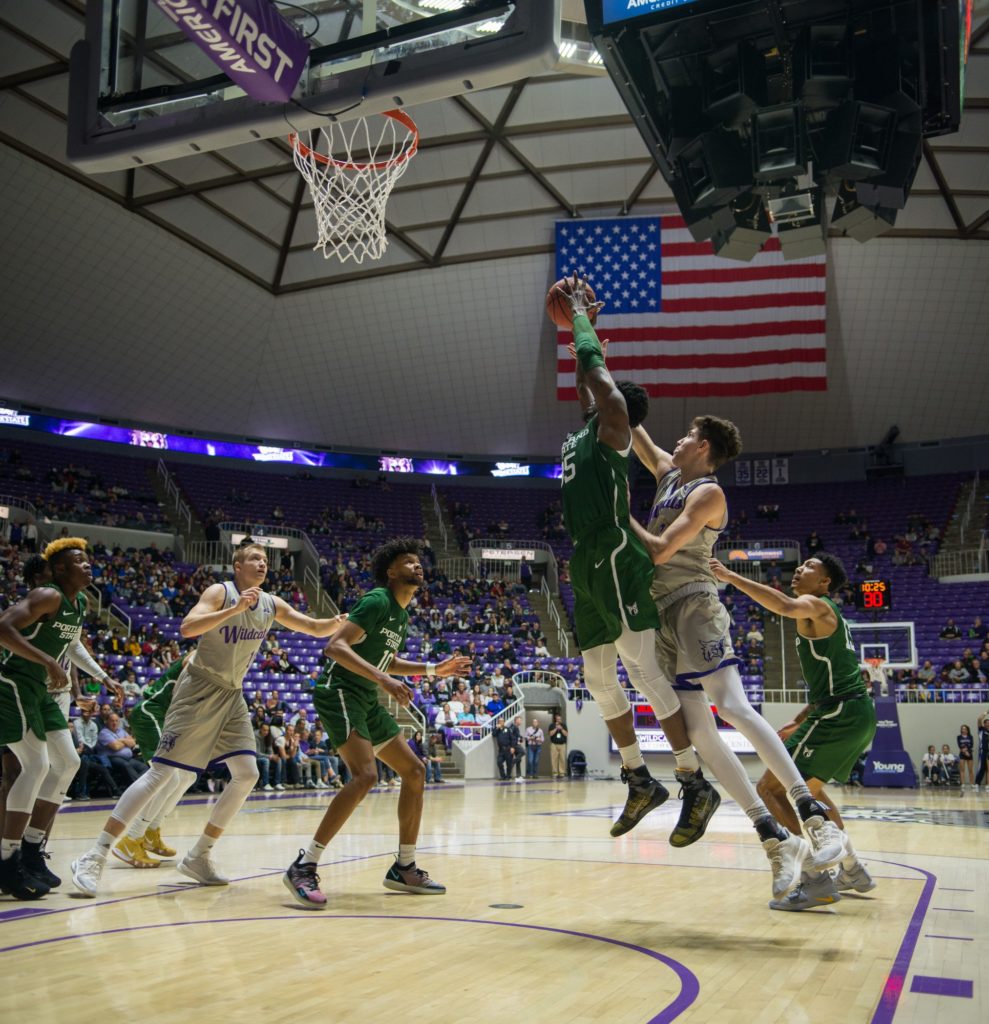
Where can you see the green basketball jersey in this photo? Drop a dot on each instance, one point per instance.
(830, 666)
(52, 636)
(157, 695)
(385, 623)
(595, 482)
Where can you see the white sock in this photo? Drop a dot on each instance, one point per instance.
(800, 792)
(137, 829)
(757, 811)
(632, 755)
(8, 847)
(313, 852)
(851, 859)
(406, 854)
(686, 760)
(103, 844)
(33, 835)
(202, 846)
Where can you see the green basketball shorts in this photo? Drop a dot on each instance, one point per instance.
(346, 709)
(26, 706)
(611, 573)
(829, 742)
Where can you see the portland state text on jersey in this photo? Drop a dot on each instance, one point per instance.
(392, 639)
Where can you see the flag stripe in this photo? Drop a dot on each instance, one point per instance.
(735, 275)
(699, 332)
(723, 389)
(695, 360)
(718, 302)
(620, 350)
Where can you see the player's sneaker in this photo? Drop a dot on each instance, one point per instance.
(700, 801)
(787, 858)
(33, 858)
(302, 882)
(87, 872)
(153, 843)
(817, 890)
(201, 869)
(412, 879)
(19, 883)
(645, 794)
(131, 851)
(827, 842)
(857, 878)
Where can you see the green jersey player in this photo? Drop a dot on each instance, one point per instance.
(365, 657)
(611, 573)
(836, 727)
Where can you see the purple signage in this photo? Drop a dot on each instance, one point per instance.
(887, 763)
(248, 40)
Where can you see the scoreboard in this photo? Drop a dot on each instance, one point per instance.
(873, 595)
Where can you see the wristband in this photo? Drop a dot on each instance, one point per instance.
(430, 670)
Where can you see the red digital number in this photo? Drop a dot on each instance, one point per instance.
(872, 599)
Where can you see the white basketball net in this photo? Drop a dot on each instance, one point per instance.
(351, 169)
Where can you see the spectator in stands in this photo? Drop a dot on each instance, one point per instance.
(976, 631)
(86, 731)
(558, 747)
(427, 754)
(958, 673)
(116, 743)
(541, 650)
(813, 544)
(932, 768)
(950, 631)
(966, 758)
(270, 762)
(977, 676)
(534, 738)
(446, 721)
(754, 637)
(949, 763)
(926, 674)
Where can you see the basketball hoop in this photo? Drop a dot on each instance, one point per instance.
(351, 181)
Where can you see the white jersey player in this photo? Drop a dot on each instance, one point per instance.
(208, 720)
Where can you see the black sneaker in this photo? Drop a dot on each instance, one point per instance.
(302, 881)
(700, 801)
(645, 794)
(15, 881)
(33, 857)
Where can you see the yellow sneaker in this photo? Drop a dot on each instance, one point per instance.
(131, 851)
(153, 843)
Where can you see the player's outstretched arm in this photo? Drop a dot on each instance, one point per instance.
(210, 613)
(654, 458)
(705, 506)
(292, 618)
(456, 665)
(804, 607)
(39, 603)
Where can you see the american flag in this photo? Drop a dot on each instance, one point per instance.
(683, 322)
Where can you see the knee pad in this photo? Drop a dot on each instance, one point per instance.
(63, 764)
(32, 754)
(601, 680)
(638, 653)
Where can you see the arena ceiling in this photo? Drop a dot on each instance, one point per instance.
(494, 170)
(187, 295)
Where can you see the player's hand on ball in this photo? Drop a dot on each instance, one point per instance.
(457, 666)
(575, 289)
(398, 690)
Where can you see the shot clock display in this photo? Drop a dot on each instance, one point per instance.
(873, 595)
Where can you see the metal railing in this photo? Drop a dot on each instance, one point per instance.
(438, 512)
(968, 562)
(33, 518)
(174, 497)
(539, 676)
(209, 552)
(95, 598)
(473, 734)
(113, 612)
(966, 513)
(554, 617)
(510, 566)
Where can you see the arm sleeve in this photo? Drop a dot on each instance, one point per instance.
(589, 353)
(82, 659)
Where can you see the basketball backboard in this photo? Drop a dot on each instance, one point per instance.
(142, 92)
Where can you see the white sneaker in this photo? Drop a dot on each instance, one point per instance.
(268, 789)
(320, 784)
(787, 858)
(856, 878)
(827, 842)
(518, 778)
(87, 872)
(279, 786)
(202, 870)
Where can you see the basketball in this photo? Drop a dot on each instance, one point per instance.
(558, 305)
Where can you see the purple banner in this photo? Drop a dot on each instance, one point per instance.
(248, 40)
(887, 763)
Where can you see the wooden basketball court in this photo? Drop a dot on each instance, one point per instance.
(547, 919)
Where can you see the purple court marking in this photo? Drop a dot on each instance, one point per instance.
(21, 912)
(689, 985)
(929, 986)
(956, 938)
(896, 978)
